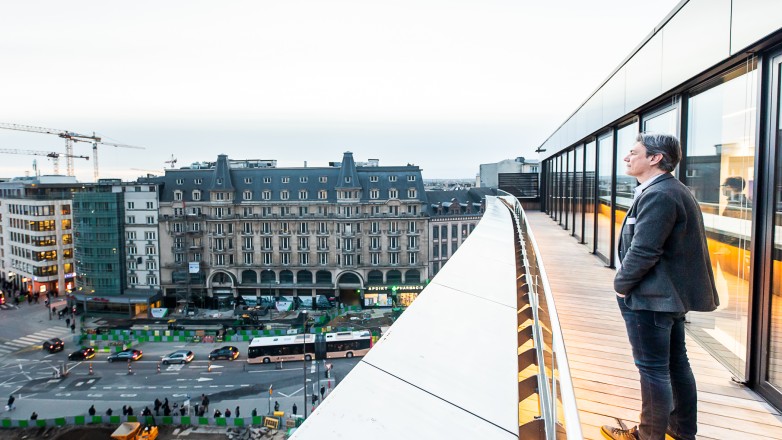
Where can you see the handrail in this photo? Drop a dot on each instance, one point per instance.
(554, 383)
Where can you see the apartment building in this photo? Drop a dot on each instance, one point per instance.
(247, 228)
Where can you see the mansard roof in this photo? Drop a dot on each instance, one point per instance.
(309, 179)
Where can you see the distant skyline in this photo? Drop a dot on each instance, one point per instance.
(442, 84)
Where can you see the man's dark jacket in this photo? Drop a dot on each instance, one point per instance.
(664, 256)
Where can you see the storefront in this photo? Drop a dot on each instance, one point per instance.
(131, 304)
(391, 295)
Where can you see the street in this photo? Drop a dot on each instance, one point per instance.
(30, 374)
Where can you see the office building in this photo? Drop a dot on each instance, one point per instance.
(711, 74)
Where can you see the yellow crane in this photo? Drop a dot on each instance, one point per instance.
(51, 154)
(71, 137)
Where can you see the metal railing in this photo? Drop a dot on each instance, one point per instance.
(544, 373)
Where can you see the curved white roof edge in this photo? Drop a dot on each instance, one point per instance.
(447, 368)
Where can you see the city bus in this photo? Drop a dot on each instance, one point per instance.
(297, 347)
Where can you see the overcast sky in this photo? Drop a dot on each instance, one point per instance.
(443, 84)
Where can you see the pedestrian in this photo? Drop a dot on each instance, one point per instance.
(294, 409)
(124, 410)
(254, 413)
(67, 322)
(276, 406)
(205, 402)
(236, 413)
(228, 412)
(217, 413)
(314, 399)
(34, 416)
(322, 392)
(157, 406)
(146, 411)
(10, 405)
(665, 272)
(166, 410)
(91, 411)
(109, 412)
(73, 327)
(54, 310)
(29, 299)
(130, 410)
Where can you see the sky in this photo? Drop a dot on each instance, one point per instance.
(442, 84)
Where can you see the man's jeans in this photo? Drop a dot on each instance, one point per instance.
(668, 393)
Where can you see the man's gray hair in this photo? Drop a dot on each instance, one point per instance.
(665, 144)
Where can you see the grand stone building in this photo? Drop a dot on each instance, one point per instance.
(246, 228)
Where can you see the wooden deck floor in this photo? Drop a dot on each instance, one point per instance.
(604, 376)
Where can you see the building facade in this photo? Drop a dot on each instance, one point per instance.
(36, 253)
(711, 73)
(452, 217)
(247, 228)
(117, 251)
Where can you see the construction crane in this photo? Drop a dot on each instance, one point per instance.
(171, 161)
(71, 137)
(51, 154)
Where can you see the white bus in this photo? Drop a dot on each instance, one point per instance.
(297, 347)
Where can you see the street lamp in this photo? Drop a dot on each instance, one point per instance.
(304, 360)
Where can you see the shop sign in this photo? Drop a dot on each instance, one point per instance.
(396, 288)
(193, 267)
(159, 312)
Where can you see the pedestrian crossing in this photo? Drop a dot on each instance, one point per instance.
(31, 339)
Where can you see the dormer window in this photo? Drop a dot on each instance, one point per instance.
(373, 178)
(392, 178)
(286, 179)
(180, 181)
(411, 178)
(393, 193)
(303, 179)
(347, 179)
(177, 195)
(198, 181)
(196, 195)
(267, 180)
(248, 180)
(247, 195)
(323, 179)
(323, 194)
(411, 193)
(219, 180)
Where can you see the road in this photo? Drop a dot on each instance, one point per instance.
(29, 374)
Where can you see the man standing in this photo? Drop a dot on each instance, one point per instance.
(664, 273)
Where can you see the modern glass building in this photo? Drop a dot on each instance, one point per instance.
(710, 73)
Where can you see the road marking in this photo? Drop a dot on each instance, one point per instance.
(94, 395)
(63, 394)
(128, 395)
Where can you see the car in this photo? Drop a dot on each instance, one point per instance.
(82, 354)
(228, 352)
(53, 345)
(178, 357)
(131, 354)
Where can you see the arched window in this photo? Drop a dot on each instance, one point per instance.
(249, 277)
(413, 276)
(375, 277)
(267, 276)
(286, 277)
(304, 277)
(393, 277)
(349, 278)
(323, 276)
(221, 278)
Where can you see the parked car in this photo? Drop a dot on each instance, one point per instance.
(82, 354)
(53, 345)
(131, 354)
(228, 352)
(178, 357)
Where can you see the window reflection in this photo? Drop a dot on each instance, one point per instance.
(589, 195)
(606, 151)
(578, 187)
(720, 173)
(625, 185)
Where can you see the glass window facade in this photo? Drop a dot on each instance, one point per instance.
(578, 192)
(605, 147)
(590, 200)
